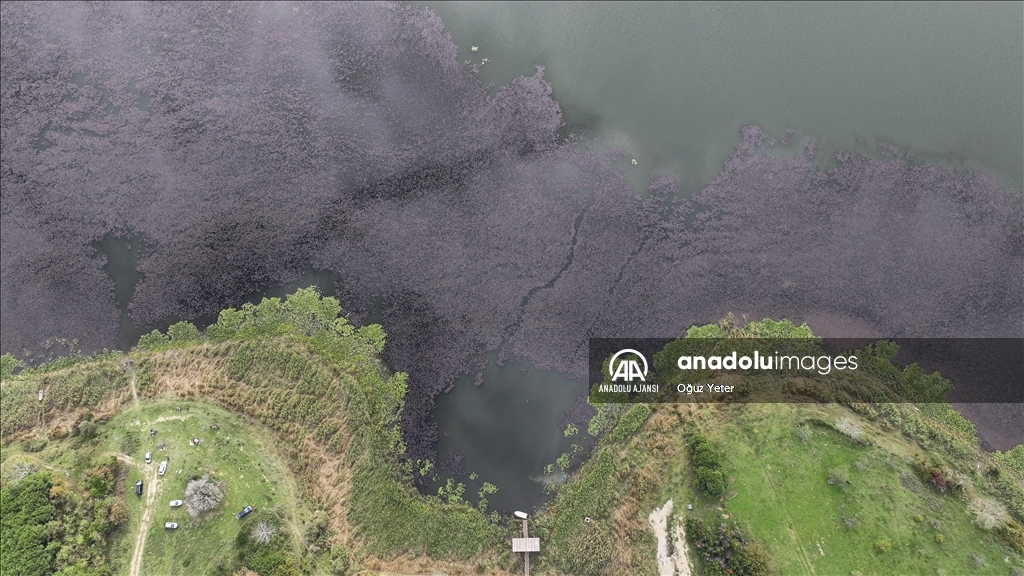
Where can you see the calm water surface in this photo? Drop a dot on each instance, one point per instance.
(672, 83)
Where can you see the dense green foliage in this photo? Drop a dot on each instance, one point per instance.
(707, 465)
(8, 365)
(25, 509)
(1013, 459)
(630, 422)
(724, 551)
(53, 526)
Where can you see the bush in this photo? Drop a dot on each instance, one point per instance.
(710, 481)
(202, 495)
(838, 476)
(24, 513)
(847, 426)
(631, 422)
(883, 545)
(756, 561)
(87, 430)
(705, 456)
(9, 365)
(708, 464)
(989, 514)
(725, 551)
(34, 444)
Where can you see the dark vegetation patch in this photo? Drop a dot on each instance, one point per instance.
(60, 524)
(247, 143)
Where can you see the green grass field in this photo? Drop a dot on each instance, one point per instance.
(884, 520)
(230, 451)
(249, 473)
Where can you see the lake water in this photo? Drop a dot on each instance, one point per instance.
(507, 429)
(672, 83)
(123, 254)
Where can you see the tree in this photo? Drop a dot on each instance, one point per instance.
(374, 336)
(24, 513)
(202, 495)
(263, 532)
(705, 456)
(310, 312)
(154, 340)
(184, 333)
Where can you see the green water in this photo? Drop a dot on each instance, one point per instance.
(507, 429)
(673, 82)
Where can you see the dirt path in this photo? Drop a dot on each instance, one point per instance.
(672, 560)
(140, 538)
(41, 463)
(166, 418)
(131, 370)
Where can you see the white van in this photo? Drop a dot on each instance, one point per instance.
(163, 468)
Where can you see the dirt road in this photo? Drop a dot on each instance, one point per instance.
(147, 514)
(672, 561)
(131, 371)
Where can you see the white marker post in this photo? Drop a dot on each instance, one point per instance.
(525, 544)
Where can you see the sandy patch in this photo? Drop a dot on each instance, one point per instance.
(672, 558)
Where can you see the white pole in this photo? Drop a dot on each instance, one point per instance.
(526, 555)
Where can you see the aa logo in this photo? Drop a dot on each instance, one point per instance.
(627, 367)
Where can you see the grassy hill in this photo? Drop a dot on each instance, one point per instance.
(854, 488)
(286, 382)
(296, 416)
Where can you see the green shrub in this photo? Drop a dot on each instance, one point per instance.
(1013, 459)
(183, 333)
(755, 560)
(24, 514)
(631, 422)
(34, 444)
(130, 443)
(710, 481)
(9, 365)
(87, 430)
(706, 456)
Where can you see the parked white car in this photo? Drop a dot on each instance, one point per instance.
(170, 525)
(149, 457)
(176, 503)
(163, 468)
